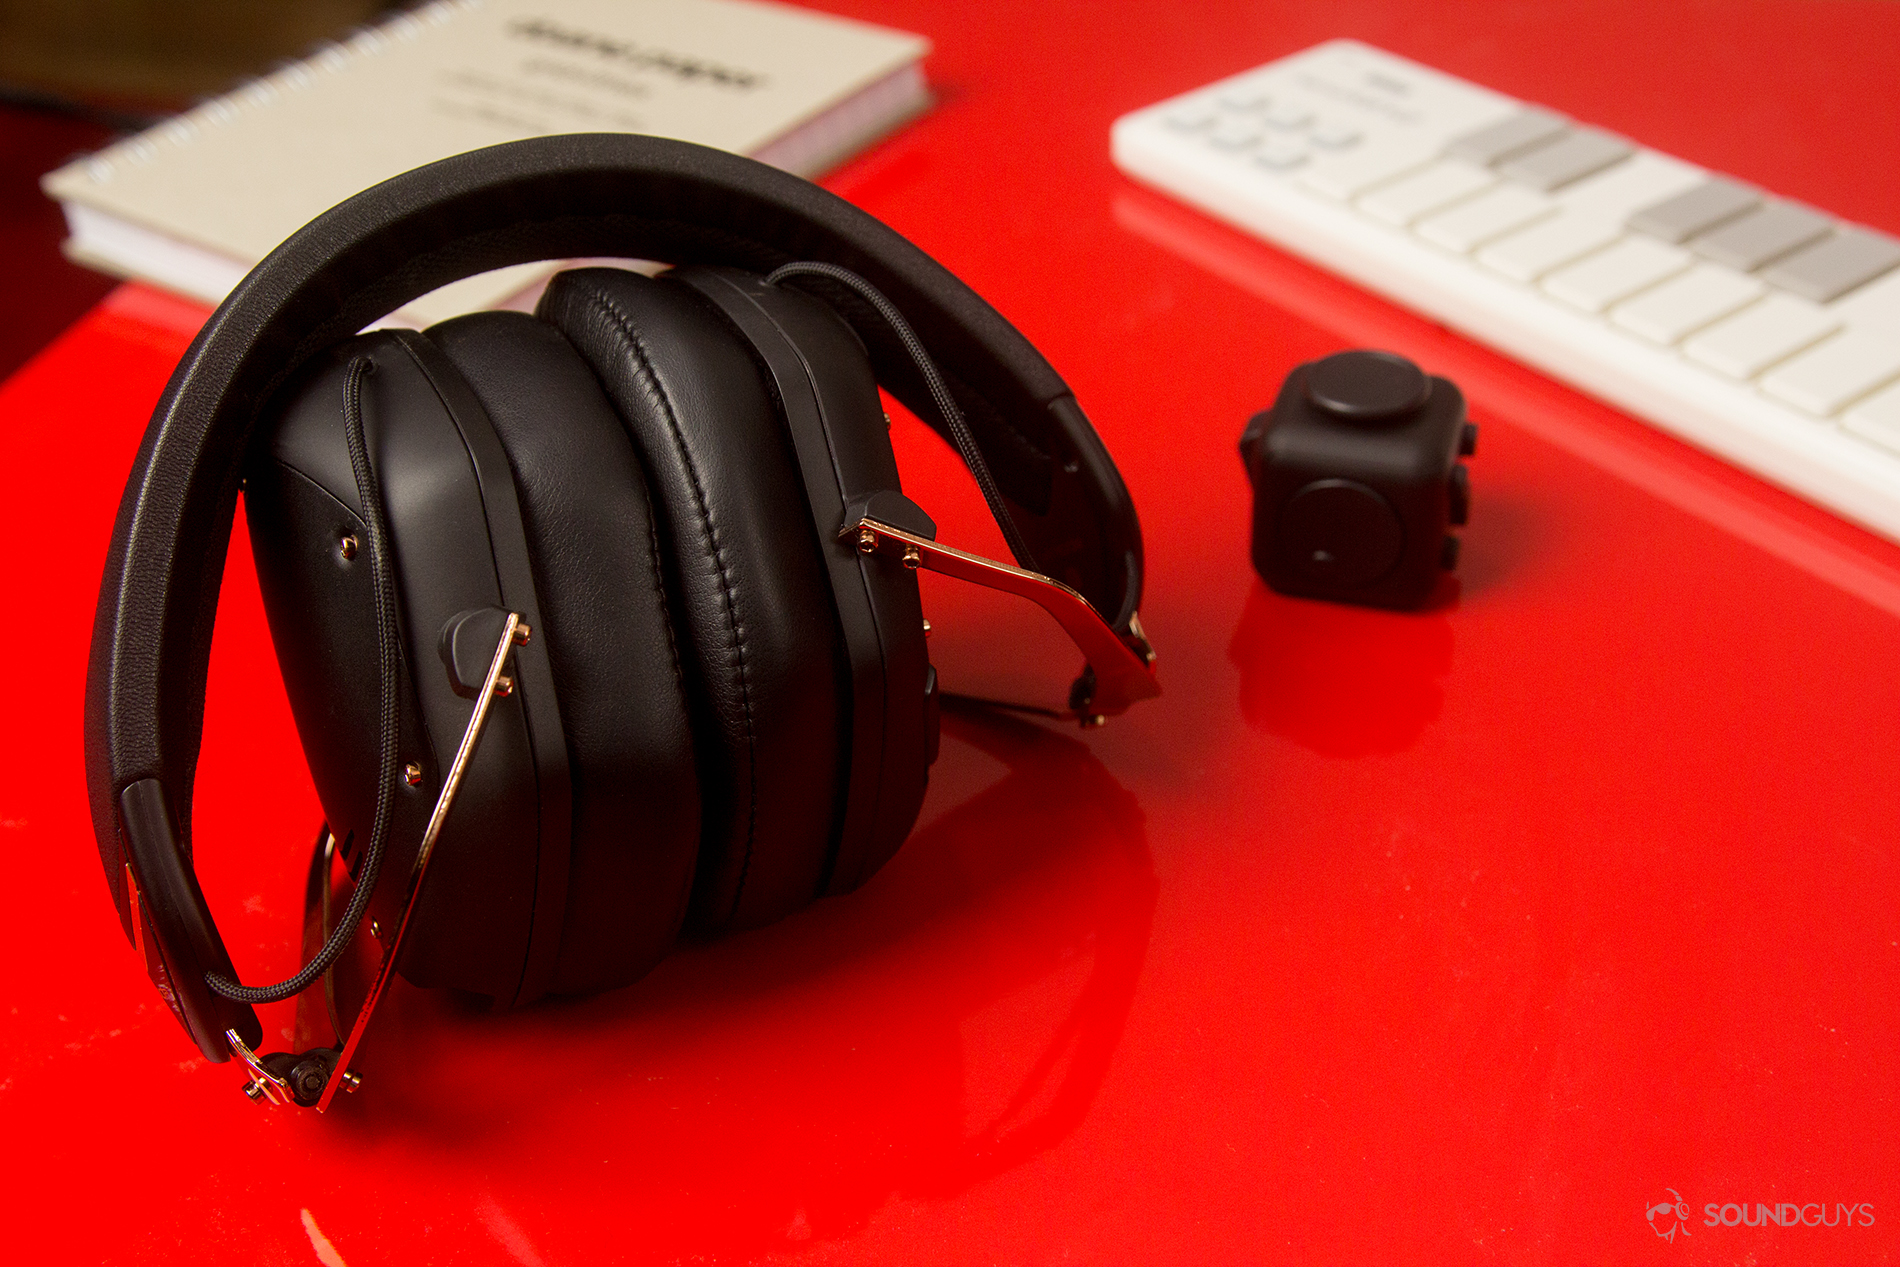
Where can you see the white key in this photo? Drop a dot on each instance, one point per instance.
(1840, 371)
(1444, 182)
(1747, 343)
(1246, 95)
(1334, 136)
(1350, 174)
(1280, 153)
(1234, 134)
(1597, 281)
(1875, 306)
(1877, 418)
(1639, 181)
(1530, 253)
(1683, 305)
(1489, 215)
(1287, 115)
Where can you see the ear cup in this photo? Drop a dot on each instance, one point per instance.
(759, 632)
(592, 542)
(455, 544)
(828, 401)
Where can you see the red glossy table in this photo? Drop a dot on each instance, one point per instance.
(1460, 937)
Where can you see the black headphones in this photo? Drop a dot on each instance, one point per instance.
(720, 705)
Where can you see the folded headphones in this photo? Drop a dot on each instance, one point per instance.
(655, 532)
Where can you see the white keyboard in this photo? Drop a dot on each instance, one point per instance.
(1757, 328)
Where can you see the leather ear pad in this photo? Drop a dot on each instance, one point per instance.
(761, 641)
(593, 546)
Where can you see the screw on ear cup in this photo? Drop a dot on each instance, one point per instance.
(759, 634)
(592, 541)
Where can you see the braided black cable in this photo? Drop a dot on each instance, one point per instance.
(960, 432)
(387, 653)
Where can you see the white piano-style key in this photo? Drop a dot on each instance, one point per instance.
(1874, 307)
(1616, 272)
(1642, 180)
(1761, 334)
(1682, 305)
(1528, 254)
(1347, 175)
(1492, 214)
(1836, 373)
(1877, 418)
(1406, 199)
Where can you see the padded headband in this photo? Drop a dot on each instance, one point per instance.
(547, 198)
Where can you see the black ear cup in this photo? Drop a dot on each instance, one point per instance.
(758, 630)
(590, 531)
(734, 710)
(829, 405)
(456, 544)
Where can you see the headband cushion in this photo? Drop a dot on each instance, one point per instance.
(763, 651)
(592, 542)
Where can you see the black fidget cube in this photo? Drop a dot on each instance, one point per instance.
(1356, 480)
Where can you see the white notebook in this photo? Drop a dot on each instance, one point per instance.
(192, 204)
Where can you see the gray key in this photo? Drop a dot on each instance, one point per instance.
(1756, 237)
(1571, 157)
(1500, 140)
(1698, 210)
(1835, 265)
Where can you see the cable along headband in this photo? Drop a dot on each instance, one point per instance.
(547, 198)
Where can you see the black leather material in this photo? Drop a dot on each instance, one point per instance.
(764, 655)
(591, 535)
(828, 400)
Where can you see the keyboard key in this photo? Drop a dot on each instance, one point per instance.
(1246, 96)
(1530, 253)
(1698, 210)
(1471, 224)
(1334, 136)
(1234, 134)
(1615, 192)
(1747, 343)
(1877, 418)
(1835, 265)
(1875, 306)
(1500, 140)
(1280, 153)
(1571, 157)
(1756, 237)
(1443, 183)
(1823, 379)
(1596, 282)
(1348, 175)
(1683, 305)
(1287, 115)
